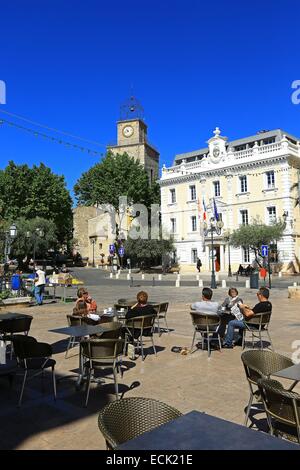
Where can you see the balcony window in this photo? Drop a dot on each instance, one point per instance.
(245, 255)
(272, 215)
(270, 179)
(217, 190)
(173, 225)
(243, 184)
(172, 196)
(194, 223)
(193, 194)
(194, 255)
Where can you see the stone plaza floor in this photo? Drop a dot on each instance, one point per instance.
(215, 385)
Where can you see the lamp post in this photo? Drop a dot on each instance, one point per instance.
(214, 226)
(227, 239)
(10, 235)
(38, 233)
(93, 241)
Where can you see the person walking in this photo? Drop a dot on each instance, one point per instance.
(39, 285)
(199, 264)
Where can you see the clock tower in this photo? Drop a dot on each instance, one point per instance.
(132, 138)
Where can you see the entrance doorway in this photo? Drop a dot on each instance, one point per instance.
(217, 259)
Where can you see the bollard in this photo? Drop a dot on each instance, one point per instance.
(223, 283)
(159, 277)
(128, 277)
(197, 277)
(111, 275)
(97, 267)
(177, 282)
(200, 283)
(153, 281)
(106, 267)
(247, 284)
(280, 274)
(217, 277)
(143, 277)
(131, 281)
(129, 271)
(295, 284)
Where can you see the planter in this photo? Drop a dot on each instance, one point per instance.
(17, 301)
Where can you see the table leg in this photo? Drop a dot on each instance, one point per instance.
(293, 385)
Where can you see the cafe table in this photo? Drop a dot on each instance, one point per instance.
(290, 373)
(199, 431)
(13, 316)
(81, 331)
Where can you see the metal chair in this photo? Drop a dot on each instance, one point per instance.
(261, 364)
(136, 328)
(73, 320)
(100, 354)
(162, 315)
(257, 326)
(282, 406)
(126, 419)
(8, 328)
(32, 355)
(206, 325)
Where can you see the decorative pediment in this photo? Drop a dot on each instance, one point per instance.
(217, 147)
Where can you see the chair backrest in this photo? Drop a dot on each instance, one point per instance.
(282, 405)
(100, 348)
(74, 320)
(204, 319)
(16, 325)
(261, 363)
(139, 414)
(28, 347)
(260, 319)
(145, 322)
(163, 308)
(113, 332)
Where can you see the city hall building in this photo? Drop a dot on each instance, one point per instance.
(247, 178)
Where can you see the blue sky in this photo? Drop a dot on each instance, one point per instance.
(193, 65)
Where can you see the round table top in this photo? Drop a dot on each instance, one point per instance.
(129, 302)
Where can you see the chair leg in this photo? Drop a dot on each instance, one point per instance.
(153, 345)
(272, 347)
(158, 327)
(68, 347)
(220, 345)
(88, 385)
(54, 382)
(116, 382)
(193, 340)
(261, 341)
(208, 344)
(167, 326)
(22, 389)
(244, 339)
(248, 409)
(142, 347)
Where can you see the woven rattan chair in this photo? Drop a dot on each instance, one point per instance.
(257, 326)
(101, 354)
(137, 328)
(282, 406)
(35, 356)
(162, 316)
(126, 419)
(8, 329)
(206, 325)
(73, 320)
(261, 364)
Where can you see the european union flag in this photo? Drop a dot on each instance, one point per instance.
(216, 214)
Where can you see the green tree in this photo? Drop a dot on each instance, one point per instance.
(34, 237)
(115, 176)
(148, 250)
(256, 234)
(36, 192)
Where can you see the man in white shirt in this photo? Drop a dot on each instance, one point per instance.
(206, 305)
(39, 285)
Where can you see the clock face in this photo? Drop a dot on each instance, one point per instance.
(127, 131)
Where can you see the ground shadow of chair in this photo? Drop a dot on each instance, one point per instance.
(9, 327)
(126, 419)
(101, 353)
(282, 407)
(32, 355)
(136, 329)
(162, 316)
(257, 326)
(207, 326)
(73, 320)
(261, 364)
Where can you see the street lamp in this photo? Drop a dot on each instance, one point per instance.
(214, 226)
(38, 233)
(10, 235)
(227, 239)
(93, 241)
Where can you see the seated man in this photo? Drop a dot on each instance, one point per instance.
(262, 306)
(140, 309)
(206, 305)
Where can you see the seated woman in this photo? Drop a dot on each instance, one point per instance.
(225, 310)
(85, 306)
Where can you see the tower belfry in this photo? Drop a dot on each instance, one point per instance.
(132, 137)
